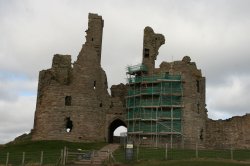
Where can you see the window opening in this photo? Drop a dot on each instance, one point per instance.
(146, 53)
(111, 104)
(201, 134)
(68, 100)
(69, 125)
(94, 85)
(198, 85)
(198, 108)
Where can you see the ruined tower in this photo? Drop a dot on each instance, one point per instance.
(151, 45)
(166, 104)
(94, 34)
(73, 102)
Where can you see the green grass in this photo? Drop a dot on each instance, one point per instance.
(51, 150)
(145, 155)
(190, 163)
(142, 157)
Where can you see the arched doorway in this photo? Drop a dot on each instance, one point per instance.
(112, 127)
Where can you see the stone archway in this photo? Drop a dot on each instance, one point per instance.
(113, 125)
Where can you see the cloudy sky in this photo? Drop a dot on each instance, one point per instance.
(214, 33)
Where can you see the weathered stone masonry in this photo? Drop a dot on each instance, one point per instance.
(75, 96)
(192, 103)
(233, 132)
(73, 102)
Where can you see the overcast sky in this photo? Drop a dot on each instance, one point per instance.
(214, 33)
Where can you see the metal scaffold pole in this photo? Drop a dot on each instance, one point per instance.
(171, 139)
(154, 106)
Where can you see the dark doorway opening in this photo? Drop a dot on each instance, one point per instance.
(112, 127)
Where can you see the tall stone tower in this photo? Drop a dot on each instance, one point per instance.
(166, 104)
(94, 34)
(151, 44)
(73, 102)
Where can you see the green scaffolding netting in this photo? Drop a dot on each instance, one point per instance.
(160, 101)
(147, 127)
(153, 114)
(154, 104)
(159, 88)
(145, 120)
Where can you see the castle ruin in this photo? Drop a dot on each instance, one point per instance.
(73, 103)
(157, 105)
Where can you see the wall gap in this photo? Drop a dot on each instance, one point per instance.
(94, 85)
(68, 100)
(69, 125)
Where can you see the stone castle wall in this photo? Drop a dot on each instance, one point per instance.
(194, 112)
(73, 102)
(233, 132)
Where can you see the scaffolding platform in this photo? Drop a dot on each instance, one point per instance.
(136, 68)
(154, 104)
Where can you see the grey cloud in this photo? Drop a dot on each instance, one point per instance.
(11, 89)
(231, 98)
(16, 117)
(6, 95)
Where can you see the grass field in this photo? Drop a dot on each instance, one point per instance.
(190, 163)
(142, 156)
(51, 151)
(153, 156)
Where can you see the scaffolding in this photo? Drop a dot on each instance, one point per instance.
(154, 105)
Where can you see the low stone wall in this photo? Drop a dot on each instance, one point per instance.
(233, 132)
